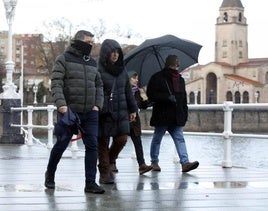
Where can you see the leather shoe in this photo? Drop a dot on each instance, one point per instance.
(144, 168)
(49, 181)
(92, 187)
(155, 167)
(190, 166)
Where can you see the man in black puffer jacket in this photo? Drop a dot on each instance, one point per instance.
(77, 89)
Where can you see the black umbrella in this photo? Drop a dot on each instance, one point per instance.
(149, 57)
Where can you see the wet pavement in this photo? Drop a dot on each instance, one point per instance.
(210, 187)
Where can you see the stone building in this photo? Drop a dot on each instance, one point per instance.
(232, 76)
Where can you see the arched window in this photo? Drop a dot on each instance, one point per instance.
(237, 97)
(229, 96)
(191, 98)
(211, 90)
(245, 97)
(225, 17)
(199, 97)
(240, 17)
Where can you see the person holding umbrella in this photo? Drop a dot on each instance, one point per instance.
(166, 89)
(119, 108)
(135, 126)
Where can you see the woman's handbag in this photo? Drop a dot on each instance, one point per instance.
(108, 102)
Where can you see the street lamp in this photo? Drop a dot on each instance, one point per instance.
(10, 98)
(35, 90)
(9, 87)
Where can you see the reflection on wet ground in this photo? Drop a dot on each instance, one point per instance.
(140, 186)
(210, 187)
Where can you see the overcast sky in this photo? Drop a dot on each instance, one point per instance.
(189, 19)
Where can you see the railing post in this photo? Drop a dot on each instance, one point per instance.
(50, 110)
(227, 162)
(30, 125)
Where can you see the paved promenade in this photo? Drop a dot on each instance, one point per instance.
(210, 187)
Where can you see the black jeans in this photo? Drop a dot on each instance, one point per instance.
(138, 147)
(89, 125)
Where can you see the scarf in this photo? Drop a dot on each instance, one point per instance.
(135, 89)
(84, 47)
(175, 82)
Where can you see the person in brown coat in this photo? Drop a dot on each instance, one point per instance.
(135, 126)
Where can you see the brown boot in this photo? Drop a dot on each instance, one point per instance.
(190, 166)
(144, 168)
(113, 167)
(156, 167)
(106, 179)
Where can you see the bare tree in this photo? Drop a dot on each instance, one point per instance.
(56, 35)
(99, 30)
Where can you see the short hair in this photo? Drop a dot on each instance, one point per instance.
(81, 34)
(172, 60)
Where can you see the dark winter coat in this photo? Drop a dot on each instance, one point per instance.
(76, 83)
(165, 112)
(114, 117)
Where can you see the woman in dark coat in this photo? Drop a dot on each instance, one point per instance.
(135, 126)
(119, 108)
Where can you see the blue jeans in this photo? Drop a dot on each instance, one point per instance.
(176, 133)
(89, 124)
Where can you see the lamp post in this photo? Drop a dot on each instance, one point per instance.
(9, 87)
(10, 98)
(35, 90)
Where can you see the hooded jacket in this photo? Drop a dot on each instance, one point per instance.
(165, 112)
(75, 81)
(115, 122)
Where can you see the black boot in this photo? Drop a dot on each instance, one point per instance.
(49, 180)
(92, 187)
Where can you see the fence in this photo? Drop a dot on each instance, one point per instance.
(227, 134)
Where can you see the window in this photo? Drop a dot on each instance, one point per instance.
(191, 100)
(224, 43)
(240, 17)
(245, 97)
(224, 54)
(237, 97)
(240, 55)
(225, 17)
(229, 96)
(240, 43)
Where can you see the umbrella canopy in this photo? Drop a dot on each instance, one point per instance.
(149, 57)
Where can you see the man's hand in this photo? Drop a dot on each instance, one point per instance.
(95, 108)
(63, 109)
(132, 117)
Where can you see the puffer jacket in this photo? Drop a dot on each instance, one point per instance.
(75, 82)
(116, 121)
(165, 112)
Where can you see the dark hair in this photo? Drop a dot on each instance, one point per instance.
(81, 34)
(172, 60)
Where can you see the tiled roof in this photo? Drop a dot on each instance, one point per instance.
(254, 62)
(243, 79)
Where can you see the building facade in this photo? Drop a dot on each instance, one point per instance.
(232, 76)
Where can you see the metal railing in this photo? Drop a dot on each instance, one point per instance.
(227, 134)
